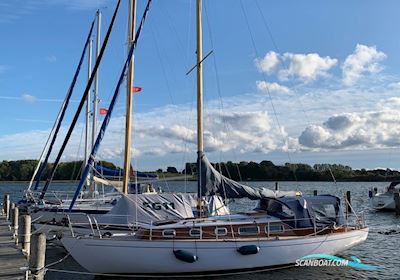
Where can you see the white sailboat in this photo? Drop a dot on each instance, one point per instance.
(279, 231)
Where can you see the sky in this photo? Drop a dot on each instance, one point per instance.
(287, 81)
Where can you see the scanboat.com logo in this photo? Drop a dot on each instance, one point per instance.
(329, 260)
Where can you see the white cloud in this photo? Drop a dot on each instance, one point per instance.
(269, 63)
(306, 67)
(28, 98)
(271, 87)
(364, 130)
(364, 60)
(161, 132)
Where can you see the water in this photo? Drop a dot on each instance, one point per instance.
(379, 249)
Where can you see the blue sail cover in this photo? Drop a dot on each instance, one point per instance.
(112, 172)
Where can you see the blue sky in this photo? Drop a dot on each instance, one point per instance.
(328, 68)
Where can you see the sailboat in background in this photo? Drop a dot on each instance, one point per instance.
(46, 206)
(172, 240)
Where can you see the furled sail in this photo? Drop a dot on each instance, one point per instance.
(213, 182)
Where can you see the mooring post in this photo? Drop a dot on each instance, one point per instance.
(38, 256)
(397, 202)
(315, 192)
(10, 216)
(26, 234)
(15, 224)
(6, 205)
(276, 186)
(348, 204)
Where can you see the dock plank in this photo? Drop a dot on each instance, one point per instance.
(13, 263)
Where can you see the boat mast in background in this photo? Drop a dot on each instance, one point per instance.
(129, 97)
(95, 95)
(87, 124)
(200, 145)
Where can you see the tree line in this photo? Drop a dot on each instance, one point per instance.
(268, 171)
(22, 170)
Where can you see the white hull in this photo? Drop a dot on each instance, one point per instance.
(383, 201)
(143, 257)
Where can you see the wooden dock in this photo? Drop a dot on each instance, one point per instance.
(13, 264)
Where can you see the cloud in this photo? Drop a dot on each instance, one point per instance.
(306, 67)
(364, 60)
(364, 130)
(271, 87)
(165, 132)
(51, 58)
(28, 98)
(269, 63)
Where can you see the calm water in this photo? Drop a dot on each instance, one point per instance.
(379, 249)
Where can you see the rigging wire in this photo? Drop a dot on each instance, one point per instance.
(80, 106)
(285, 138)
(164, 71)
(219, 85)
(275, 45)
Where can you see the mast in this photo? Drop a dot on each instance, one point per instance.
(87, 124)
(129, 97)
(200, 146)
(95, 95)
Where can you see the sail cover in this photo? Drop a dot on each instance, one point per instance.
(214, 183)
(147, 208)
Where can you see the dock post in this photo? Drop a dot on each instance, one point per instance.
(6, 206)
(276, 186)
(26, 234)
(315, 192)
(10, 218)
(348, 204)
(38, 256)
(15, 224)
(397, 202)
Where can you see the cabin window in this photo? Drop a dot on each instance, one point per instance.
(220, 231)
(274, 227)
(249, 230)
(195, 232)
(169, 233)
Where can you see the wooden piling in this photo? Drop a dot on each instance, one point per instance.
(315, 192)
(276, 186)
(348, 204)
(397, 202)
(38, 256)
(11, 212)
(26, 234)
(15, 224)
(6, 205)
(13, 264)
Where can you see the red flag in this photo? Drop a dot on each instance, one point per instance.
(136, 89)
(103, 111)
